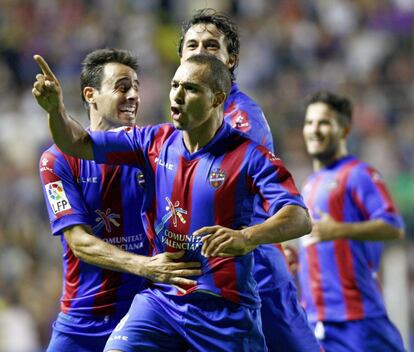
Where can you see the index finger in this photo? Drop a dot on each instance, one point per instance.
(44, 67)
(204, 230)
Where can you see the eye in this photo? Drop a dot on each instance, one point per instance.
(123, 88)
(212, 46)
(191, 45)
(190, 89)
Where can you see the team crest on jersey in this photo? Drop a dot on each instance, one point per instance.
(57, 197)
(106, 219)
(175, 212)
(141, 179)
(217, 178)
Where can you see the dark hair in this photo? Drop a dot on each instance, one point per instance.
(94, 63)
(219, 77)
(223, 24)
(340, 104)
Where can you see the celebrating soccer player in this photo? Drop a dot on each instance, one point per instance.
(285, 324)
(206, 176)
(95, 210)
(352, 213)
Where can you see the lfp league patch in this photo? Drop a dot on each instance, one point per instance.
(57, 197)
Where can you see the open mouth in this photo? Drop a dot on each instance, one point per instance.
(129, 111)
(175, 112)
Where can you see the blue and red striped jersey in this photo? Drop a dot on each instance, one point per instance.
(339, 278)
(215, 185)
(243, 114)
(108, 199)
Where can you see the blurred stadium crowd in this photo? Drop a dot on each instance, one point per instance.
(289, 48)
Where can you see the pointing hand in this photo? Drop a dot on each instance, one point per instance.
(46, 89)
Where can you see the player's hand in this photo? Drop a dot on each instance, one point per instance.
(46, 89)
(219, 241)
(292, 258)
(164, 267)
(325, 229)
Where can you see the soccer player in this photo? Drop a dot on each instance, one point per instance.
(285, 324)
(353, 214)
(95, 211)
(206, 175)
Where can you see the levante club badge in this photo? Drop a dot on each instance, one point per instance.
(217, 178)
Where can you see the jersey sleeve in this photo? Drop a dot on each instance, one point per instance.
(246, 116)
(272, 181)
(120, 146)
(64, 201)
(371, 196)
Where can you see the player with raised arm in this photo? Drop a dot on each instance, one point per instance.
(285, 324)
(95, 211)
(209, 173)
(353, 214)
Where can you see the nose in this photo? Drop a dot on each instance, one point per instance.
(178, 96)
(200, 50)
(132, 94)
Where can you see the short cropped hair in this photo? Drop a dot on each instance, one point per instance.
(219, 77)
(223, 24)
(94, 63)
(340, 104)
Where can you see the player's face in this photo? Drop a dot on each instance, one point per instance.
(117, 101)
(205, 38)
(322, 132)
(191, 98)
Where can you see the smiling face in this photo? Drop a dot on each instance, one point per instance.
(205, 38)
(116, 102)
(324, 136)
(192, 100)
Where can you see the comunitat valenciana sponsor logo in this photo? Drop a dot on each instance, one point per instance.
(174, 212)
(106, 218)
(180, 241)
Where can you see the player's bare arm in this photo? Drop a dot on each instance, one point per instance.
(327, 229)
(160, 268)
(67, 133)
(288, 223)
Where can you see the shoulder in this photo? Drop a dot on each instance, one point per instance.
(54, 160)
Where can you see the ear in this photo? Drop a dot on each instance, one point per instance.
(89, 94)
(219, 98)
(232, 61)
(346, 130)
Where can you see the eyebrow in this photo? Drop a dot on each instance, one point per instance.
(186, 83)
(120, 80)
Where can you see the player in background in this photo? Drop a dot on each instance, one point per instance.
(206, 175)
(95, 211)
(353, 214)
(284, 321)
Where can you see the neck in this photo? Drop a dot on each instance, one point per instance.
(321, 162)
(98, 123)
(200, 136)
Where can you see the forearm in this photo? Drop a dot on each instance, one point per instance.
(288, 223)
(94, 251)
(375, 230)
(69, 135)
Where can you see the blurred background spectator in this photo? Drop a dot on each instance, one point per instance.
(290, 48)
